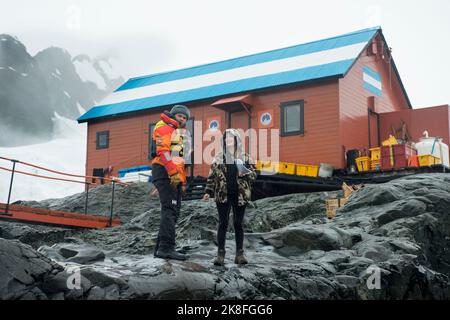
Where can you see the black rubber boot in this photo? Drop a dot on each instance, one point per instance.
(220, 259)
(240, 259)
(170, 254)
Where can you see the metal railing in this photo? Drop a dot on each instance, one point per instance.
(87, 184)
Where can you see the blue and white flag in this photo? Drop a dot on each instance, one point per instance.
(372, 81)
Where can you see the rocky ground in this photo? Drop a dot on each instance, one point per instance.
(399, 230)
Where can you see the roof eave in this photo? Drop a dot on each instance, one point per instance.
(408, 101)
(307, 82)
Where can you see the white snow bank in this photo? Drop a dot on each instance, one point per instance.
(66, 153)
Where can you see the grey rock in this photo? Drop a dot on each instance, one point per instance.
(79, 253)
(294, 252)
(22, 270)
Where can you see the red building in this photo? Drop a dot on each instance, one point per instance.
(325, 97)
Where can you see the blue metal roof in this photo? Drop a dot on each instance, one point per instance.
(331, 57)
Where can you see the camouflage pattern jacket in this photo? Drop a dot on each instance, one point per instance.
(216, 184)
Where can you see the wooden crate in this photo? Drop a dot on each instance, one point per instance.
(349, 189)
(332, 205)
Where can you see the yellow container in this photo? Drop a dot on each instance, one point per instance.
(301, 169)
(258, 165)
(363, 164)
(269, 166)
(390, 142)
(375, 154)
(287, 168)
(428, 160)
(307, 170)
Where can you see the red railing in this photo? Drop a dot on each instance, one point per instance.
(13, 171)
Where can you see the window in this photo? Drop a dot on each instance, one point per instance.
(292, 122)
(151, 142)
(102, 141)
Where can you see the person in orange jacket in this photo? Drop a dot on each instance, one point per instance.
(169, 177)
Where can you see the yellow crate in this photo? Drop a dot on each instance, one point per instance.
(428, 160)
(363, 164)
(390, 142)
(287, 168)
(375, 165)
(375, 154)
(258, 165)
(307, 170)
(269, 166)
(313, 171)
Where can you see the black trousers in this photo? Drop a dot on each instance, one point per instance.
(238, 217)
(170, 199)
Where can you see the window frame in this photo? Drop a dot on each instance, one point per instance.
(97, 140)
(192, 139)
(150, 139)
(283, 107)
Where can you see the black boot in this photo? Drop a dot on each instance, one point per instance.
(220, 259)
(240, 259)
(170, 254)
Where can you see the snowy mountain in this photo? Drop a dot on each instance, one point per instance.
(66, 152)
(33, 88)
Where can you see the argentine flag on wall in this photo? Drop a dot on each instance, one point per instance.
(372, 81)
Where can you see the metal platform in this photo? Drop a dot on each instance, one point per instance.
(388, 175)
(281, 184)
(45, 216)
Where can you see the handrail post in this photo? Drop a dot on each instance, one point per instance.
(10, 187)
(112, 202)
(86, 199)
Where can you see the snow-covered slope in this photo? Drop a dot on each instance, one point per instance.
(88, 73)
(66, 153)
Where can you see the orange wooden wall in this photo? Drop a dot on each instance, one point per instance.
(128, 135)
(353, 100)
(435, 120)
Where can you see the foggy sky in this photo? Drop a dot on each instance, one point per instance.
(153, 36)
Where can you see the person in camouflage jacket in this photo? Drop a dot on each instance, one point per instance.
(229, 183)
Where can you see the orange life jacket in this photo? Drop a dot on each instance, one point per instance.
(169, 146)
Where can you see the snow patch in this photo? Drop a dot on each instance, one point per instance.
(66, 153)
(24, 74)
(67, 94)
(58, 72)
(4, 39)
(11, 68)
(87, 72)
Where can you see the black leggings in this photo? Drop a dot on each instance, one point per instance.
(238, 216)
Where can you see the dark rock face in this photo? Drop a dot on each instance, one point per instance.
(389, 242)
(28, 275)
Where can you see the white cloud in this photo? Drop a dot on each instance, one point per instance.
(155, 36)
